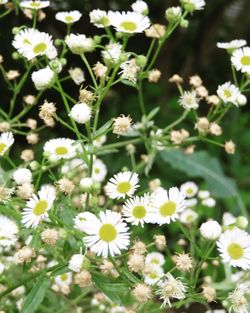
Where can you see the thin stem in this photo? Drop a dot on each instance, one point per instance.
(89, 70)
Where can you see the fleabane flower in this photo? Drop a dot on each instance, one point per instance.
(193, 5)
(112, 54)
(76, 262)
(69, 17)
(60, 148)
(129, 22)
(155, 259)
(232, 45)
(210, 230)
(99, 18)
(189, 100)
(167, 205)
(122, 184)
(32, 43)
(81, 113)
(108, 235)
(79, 44)
(241, 59)
(43, 78)
(140, 6)
(171, 288)
(228, 92)
(238, 301)
(8, 232)
(153, 274)
(188, 217)
(38, 206)
(99, 171)
(3, 1)
(6, 141)
(189, 189)
(234, 248)
(34, 5)
(137, 210)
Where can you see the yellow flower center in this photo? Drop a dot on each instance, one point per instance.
(189, 191)
(97, 170)
(61, 150)
(154, 261)
(64, 277)
(139, 211)
(35, 4)
(40, 48)
(40, 207)
(235, 251)
(227, 93)
(168, 208)
(245, 60)
(2, 147)
(129, 26)
(69, 19)
(153, 275)
(107, 232)
(124, 187)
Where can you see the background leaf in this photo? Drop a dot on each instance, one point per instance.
(36, 295)
(201, 164)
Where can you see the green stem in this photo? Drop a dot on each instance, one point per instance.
(89, 70)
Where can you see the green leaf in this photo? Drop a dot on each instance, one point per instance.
(153, 113)
(103, 130)
(201, 164)
(36, 295)
(111, 288)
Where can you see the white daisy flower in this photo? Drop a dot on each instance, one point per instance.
(43, 78)
(228, 219)
(137, 210)
(210, 230)
(8, 232)
(189, 189)
(99, 18)
(171, 288)
(31, 43)
(76, 262)
(192, 5)
(190, 203)
(209, 202)
(122, 184)
(60, 148)
(69, 17)
(99, 171)
(22, 176)
(167, 205)
(188, 216)
(64, 279)
(6, 141)
(153, 274)
(79, 43)
(228, 92)
(238, 301)
(140, 6)
(37, 207)
(155, 259)
(112, 54)
(203, 194)
(241, 59)
(81, 113)
(232, 45)
(34, 5)
(234, 248)
(108, 235)
(129, 22)
(84, 221)
(189, 100)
